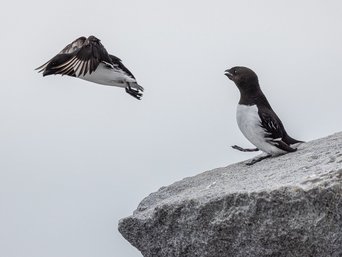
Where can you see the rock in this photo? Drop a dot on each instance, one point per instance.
(289, 205)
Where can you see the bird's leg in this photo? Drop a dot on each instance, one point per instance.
(245, 149)
(254, 161)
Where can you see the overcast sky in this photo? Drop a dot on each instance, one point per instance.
(76, 156)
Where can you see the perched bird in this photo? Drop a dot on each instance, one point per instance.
(256, 119)
(86, 58)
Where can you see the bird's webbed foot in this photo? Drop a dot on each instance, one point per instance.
(133, 92)
(254, 161)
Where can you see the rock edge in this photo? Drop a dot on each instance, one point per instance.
(285, 206)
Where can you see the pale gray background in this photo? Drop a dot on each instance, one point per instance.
(76, 157)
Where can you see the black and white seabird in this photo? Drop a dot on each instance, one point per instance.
(86, 58)
(256, 118)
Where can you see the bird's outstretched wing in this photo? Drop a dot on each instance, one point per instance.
(80, 57)
(70, 48)
(274, 129)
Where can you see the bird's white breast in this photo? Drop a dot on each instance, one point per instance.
(249, 123)
(108, 76)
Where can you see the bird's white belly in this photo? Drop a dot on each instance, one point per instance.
(107, 76)
(249, 123)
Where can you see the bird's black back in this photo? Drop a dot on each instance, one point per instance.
(117, 62)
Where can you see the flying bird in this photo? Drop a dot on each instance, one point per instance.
(86, 58)
(256, 118)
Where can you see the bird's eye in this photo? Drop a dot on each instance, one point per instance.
(235, 71)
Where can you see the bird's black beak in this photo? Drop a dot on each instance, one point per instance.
(228, 74)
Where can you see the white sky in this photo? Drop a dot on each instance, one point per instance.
(76, 157)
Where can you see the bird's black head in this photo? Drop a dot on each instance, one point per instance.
(93, 39)
(90, 42)
(244, 78)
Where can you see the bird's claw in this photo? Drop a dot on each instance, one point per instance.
(251, 162)
(254, 161)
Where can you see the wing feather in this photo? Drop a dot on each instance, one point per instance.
(73, 46)
(274, 129)
(78, 58)
(67, 68)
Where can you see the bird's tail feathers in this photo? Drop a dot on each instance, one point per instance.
(290, 141)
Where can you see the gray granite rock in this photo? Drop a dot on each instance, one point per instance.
(285, 206)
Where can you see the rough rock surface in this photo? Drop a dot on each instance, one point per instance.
(285, 206)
